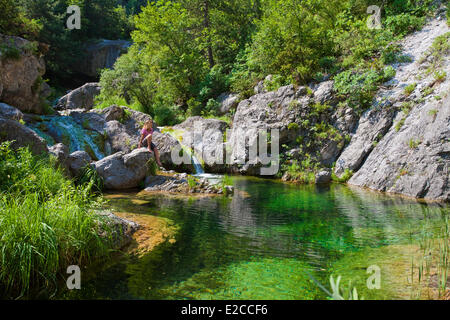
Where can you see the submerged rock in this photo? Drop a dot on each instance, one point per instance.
(121, 230)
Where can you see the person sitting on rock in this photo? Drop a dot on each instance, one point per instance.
(146, 137)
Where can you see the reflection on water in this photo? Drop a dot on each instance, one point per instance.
(262, 246)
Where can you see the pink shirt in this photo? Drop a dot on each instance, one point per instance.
(146, 133)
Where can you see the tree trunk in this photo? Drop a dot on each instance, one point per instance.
(206, 25)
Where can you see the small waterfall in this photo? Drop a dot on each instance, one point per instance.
(64, 129)
(197, 165)
(179, 136)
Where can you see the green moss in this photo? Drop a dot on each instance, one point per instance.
(344, 177)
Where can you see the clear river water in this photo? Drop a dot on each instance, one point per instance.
(271, 240)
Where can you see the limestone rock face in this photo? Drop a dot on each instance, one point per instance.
(414, 161)
(21, 82)
(123, 171)
(373, 124)
(101, 55)
(80, 98)
(11, 130)
(402, 144)
(325, 93)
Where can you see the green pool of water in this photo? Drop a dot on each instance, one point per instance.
(266, 245)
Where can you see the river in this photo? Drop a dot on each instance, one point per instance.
(271, 240)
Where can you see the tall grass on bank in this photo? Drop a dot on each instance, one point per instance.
(46, 224)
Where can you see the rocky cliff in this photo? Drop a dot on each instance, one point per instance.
(21, 69)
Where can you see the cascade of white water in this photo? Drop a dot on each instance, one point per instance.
(66, 130)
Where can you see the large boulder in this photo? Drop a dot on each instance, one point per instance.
(80, 98)
(265, 111)
(102, 54)
(206, 138)
(21, 71)
(123, 171)
(11, 130)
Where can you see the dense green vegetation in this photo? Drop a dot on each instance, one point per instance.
(46, 224)
(186, 53)
(45, 21)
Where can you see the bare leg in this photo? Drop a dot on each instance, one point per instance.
(157, 157)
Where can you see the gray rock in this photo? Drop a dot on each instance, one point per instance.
(124, 171)
(113, 112)
(324, 94)
(414, 161)
(21, 78)
(206, 138)
(8, 112)
(120, 230)
(80, 98)
(227, 102)
(102, 54)
(372, 126)
(61, 152)
(323, 177)
(77, 161)
(21, 136)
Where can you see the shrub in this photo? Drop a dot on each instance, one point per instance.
(358, 87)
(404, 23)
(410, 89)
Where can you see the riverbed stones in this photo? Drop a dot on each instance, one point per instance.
(119, 230)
